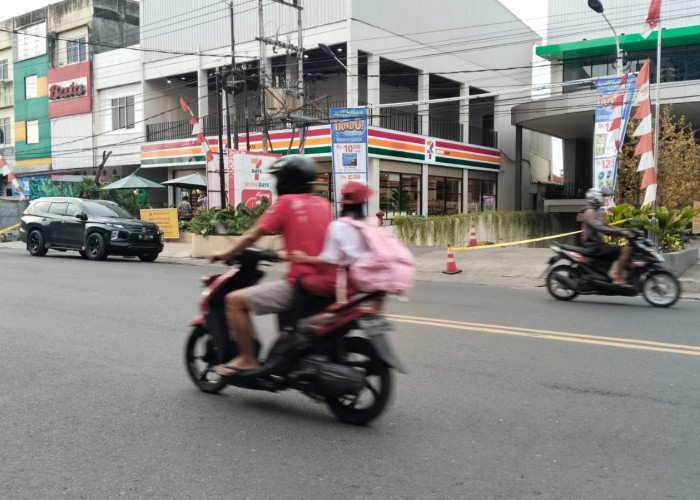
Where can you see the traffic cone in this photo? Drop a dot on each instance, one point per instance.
(451, 266)
(472, 235)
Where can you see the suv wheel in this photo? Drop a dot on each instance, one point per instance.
(148, 256)
(35, 243)
(95, 247)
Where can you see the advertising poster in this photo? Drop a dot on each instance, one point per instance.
(164, 218)
(249, 178)
(604, 149)
(349, 146)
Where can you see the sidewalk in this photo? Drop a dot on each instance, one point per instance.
(503, 266)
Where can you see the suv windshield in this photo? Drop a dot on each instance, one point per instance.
(106, 209)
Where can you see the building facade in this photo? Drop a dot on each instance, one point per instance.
(47, 102)
(425, 157)
(582, 46)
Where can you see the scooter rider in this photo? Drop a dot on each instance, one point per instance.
(302, 219)
(593, 227)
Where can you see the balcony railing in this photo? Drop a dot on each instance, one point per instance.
(566, 191)
(392, 119)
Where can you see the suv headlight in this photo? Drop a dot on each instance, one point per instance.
(115, 235)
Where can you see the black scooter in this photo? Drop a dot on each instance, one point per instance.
(584, 275)
(352, 375)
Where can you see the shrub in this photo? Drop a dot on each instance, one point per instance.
(233, 221)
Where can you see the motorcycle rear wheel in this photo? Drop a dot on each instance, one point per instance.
(661, 289)
(558, 290)
(354, 408)
(201, 355)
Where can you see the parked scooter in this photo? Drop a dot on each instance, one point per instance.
(352, 375)
(582, 274)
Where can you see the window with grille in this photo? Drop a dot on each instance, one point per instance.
(5, 130)
(123, 113)
(76, 50)
(4, 70)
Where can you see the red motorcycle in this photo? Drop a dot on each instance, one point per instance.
(351, 374)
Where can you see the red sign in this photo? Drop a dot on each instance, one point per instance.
(70, 89)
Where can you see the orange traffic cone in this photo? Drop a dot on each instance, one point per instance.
(451, 266)
(472, 235)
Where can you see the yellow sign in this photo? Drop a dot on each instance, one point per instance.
(696, 219)
(165, 219)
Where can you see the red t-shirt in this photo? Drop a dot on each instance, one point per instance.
(302, 219)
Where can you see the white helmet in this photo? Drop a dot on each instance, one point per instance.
(595, 196)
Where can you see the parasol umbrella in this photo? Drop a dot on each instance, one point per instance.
(133, 182)
(195, 181)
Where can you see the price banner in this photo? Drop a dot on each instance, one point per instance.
(349, 145)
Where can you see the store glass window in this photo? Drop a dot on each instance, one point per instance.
(444, 196)
(399, 194)
(481, 196)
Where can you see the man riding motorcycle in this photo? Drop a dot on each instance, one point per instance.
(593, 227)
(302, 219)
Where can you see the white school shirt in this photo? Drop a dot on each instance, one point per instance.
(343, 245)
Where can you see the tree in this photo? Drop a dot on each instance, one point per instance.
(678, 175)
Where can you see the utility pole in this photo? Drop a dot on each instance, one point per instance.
(233, 71)
(263, 41)
(219, 103)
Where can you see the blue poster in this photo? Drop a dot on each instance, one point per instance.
(608, 136)
(349, 146)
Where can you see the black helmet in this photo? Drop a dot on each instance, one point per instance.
(295, 174)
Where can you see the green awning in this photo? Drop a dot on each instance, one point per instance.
(672, 37)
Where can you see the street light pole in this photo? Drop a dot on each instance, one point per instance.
(598, 7)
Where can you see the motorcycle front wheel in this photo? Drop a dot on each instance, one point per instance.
(368, 403)
(661, 289)
(557, 289)
(201, 355)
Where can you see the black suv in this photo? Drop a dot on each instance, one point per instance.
(96, 228)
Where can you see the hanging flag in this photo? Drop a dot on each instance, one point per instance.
(196, 129)
(653, 16)
(6, 170)
(645, 146)
(193, 120)
(184, 104)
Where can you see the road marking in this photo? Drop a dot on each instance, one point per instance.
(644, 345)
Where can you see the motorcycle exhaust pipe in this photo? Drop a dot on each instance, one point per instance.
(566, 281)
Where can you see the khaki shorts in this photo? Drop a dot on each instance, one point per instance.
(270, 297)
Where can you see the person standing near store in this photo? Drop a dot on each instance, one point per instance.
(184, 211)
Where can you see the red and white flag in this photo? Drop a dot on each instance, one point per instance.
(615, 126)
(653, 17)
(6, 170)
(645, 146)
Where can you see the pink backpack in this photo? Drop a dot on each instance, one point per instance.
(387, 265)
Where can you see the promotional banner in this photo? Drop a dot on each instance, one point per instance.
(164, 218)
(613, 100)
(249, 178)
(349, 146)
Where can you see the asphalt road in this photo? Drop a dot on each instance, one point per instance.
(509, 395)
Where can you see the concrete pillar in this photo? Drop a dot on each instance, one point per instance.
(423, 109)
(373, 182)
(464, 112)
(518, 167)
(569, 160)
(424, 189)
(202, 108)
(373, 94)
(352, 80)
(465, 191)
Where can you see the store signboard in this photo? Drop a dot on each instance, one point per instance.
(249, 178)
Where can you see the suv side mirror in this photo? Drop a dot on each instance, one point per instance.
(81, 215)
